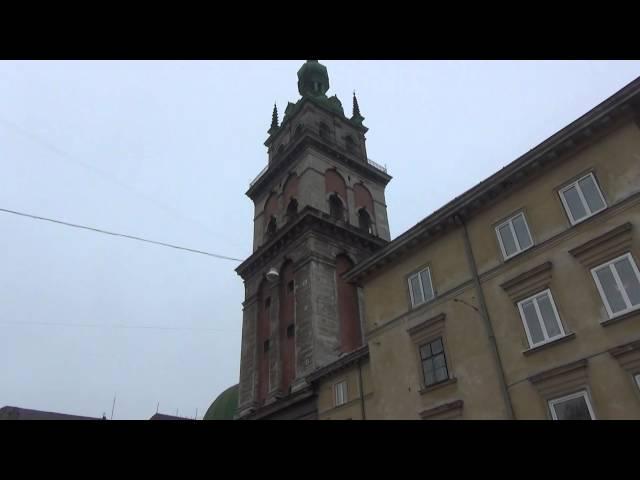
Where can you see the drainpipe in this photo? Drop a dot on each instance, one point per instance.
(361, 390)
(484, 313)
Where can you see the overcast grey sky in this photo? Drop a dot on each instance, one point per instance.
(165, 150)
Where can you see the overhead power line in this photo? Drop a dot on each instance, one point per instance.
(61, 154)
(123, 235)
(145, 327)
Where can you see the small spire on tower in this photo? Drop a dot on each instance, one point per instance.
(274, 119)
(356, 117)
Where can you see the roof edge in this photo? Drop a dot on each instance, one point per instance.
(461, 204)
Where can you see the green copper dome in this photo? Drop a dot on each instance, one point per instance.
(224, 407)
(313, 79)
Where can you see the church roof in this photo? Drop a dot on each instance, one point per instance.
(224, 407)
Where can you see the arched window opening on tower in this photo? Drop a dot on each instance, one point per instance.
(299, 130)
(292, 209)
(364, 221)
(271, 227)
(336, 208)
(324, 130)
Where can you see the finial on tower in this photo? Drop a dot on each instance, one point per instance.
(274, 119)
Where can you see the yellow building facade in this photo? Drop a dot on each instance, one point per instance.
(519, 299)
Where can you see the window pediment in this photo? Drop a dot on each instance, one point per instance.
(446, 411)
(605, 247)
(426, 329)
(529, 282)
(561, 380)
(628, 356)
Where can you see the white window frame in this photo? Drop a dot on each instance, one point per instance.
(340, 388)
(623, 292)
(582, 393)
(543, 327)
(512, 229)
(433, 291)
(582, 199)
(637, 379)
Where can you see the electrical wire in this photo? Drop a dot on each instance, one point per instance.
(146, 327)
(123, 235)
(101, 173)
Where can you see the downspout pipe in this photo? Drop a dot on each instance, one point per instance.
(484, 313)
(361, 390)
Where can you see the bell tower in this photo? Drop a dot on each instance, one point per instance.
(319, 209)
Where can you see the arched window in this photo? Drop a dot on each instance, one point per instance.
(271, 227)
(336, 209)
(299, 129)
(364, 221)
(292, 209)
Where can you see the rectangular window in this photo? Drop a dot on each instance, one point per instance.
(514, 236)
(618, 282)
(572, 407)
(582, 199)
(340, 393)
(540, 318)
(638, 380)
(434, 363)
(420, 287)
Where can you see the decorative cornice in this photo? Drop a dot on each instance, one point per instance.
(611, 244)
(281, 404)
(558, 371)
(529, 282)
(443, 412)
(558, 147)
(309, 219)
(339, 364)
(628, 356)
(561, 380)
(426, 325)
(282, 161)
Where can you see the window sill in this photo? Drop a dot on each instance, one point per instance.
(619, 318)
(516, 255)
(431, 388)
(578, 222)
(567, 337)
(420, 305)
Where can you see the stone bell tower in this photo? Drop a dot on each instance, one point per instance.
(319, 209)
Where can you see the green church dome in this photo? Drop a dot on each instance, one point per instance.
(313, 79)
(224, 407)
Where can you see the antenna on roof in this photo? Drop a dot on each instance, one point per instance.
(113, 406)
(196, 414)
(157, 407)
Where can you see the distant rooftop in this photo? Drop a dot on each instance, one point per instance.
(17, 413)
(162, 416)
